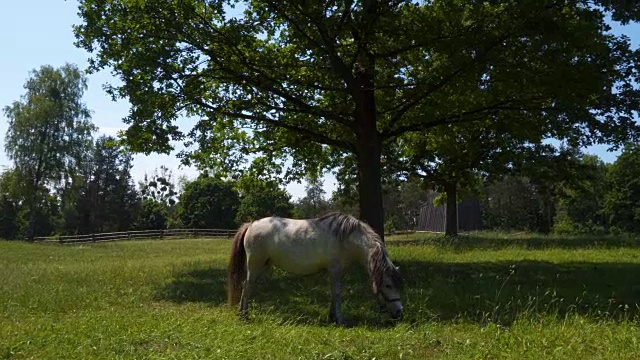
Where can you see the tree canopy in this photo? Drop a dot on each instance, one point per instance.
(313, 204)
(622, 201)
(9, 205)
(261, 198)
(108, 200)
(209, 203)
(452, 158)
(581, 204)
(159, 186)
(315, 82)
(49, 131)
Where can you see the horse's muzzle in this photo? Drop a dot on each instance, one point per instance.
(397, 315)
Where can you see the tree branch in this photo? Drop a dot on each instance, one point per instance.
(415, 45)
(464, 117)
(308, 134)
(261, 81)
(329, 46)
(409, 104)
(269, 84)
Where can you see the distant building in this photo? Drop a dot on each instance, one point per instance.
(433, 218)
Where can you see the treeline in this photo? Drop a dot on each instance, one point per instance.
(63, 180)
(562, 191)
(105, 198)
(578, 195)
(583, 196)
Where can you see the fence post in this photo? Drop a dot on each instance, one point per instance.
(93, 237)
(161, 233)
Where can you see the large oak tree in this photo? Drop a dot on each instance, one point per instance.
(313, 82)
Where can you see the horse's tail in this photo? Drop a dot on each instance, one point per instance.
(237, 270)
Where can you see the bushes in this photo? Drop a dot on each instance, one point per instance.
(153, 216)
(209, 203)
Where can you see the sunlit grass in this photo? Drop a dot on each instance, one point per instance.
(497, 239)
(497, 297)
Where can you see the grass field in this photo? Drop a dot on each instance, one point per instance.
(487, 296)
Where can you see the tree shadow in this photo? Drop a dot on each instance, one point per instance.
(501, 292)
(478, 292)
(200, 284)
(290, 298)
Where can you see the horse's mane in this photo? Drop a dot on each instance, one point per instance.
(342, 225)
(379, 265)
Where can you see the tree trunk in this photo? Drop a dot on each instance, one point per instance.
(451, 227)
(370, 188)
(369, 149)
(547, 222)
(37, 180)
(33, 204)
(31, 229)
(368, 143)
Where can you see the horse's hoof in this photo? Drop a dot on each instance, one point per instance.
(332, 317)
(244, 317)
(340, 322)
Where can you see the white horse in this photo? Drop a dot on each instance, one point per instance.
(303, 247)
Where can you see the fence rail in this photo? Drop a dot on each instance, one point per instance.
(153, 234)
(141, 234)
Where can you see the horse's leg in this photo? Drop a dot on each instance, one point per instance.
(244, 298)
(335, 312)
(254, 269)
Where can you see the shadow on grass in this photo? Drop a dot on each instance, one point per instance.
(293, 299)
(199, 284)
(501, 292)
(527, 241)
(492, 292)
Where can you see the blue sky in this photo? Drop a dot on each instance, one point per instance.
(38, 32)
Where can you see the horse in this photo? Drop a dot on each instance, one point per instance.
(304, 247)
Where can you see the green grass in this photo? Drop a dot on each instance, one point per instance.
(488, 296)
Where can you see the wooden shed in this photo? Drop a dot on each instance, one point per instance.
(433, 218)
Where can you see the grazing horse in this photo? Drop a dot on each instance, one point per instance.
(304, 247)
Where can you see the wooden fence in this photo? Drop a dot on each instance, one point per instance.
(142, 234)
(153, 234)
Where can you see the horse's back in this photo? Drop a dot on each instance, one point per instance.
(296, 246)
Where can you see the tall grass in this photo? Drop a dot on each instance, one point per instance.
(480, 296)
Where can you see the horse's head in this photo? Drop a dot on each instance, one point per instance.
(388, 292)
(387, 282)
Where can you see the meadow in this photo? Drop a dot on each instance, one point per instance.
(482, 296)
